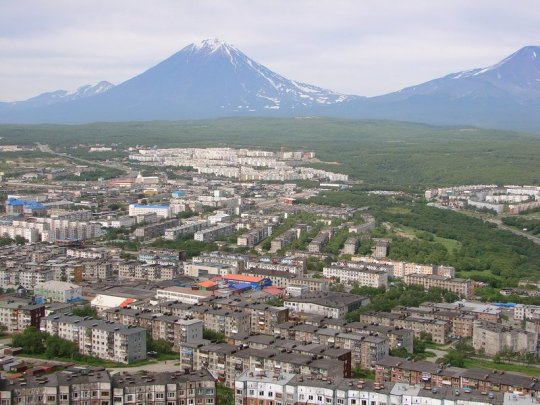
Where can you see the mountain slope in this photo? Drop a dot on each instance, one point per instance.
(214, 79)
(202, 80)
(505, 95)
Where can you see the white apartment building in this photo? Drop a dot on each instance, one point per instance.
(254, 386)
(31, 235)
(522, 312)
(162, 211)
(60, 229)
(215, 232)
(183, 294)
(58, 291)
(89, 253)
(187, 228)
(364, 277)
(102, 339)
(29, 278)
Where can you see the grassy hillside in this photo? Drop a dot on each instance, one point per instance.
(381, 153)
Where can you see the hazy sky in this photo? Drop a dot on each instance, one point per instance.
(364, 47)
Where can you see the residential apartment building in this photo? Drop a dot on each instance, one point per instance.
(464, 288)
(254, 236)
(16, 317)
(98, 270)
(187, 228)
(255, 387)
(526, 312)
(227, 362)
(440, 330)
(283, 240)
(286, 279)
(492, 338)
(361, 276)
(60, 229)
(429, 375)
(162, 211)
(214, 233)
(319, 242)
(171, 328)
(331, 304)
(293, 265)
(87, 386)
(167, 388)
(154, 230)
(30, 235)
(350, 246)
(102, 339)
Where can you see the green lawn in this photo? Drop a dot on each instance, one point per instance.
(488, 364)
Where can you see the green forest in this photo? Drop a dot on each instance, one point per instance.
(476, 248)
(386, 154)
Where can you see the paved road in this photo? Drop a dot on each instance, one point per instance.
(500, 225)
(169, 365)
(515, 231)
(47, 149)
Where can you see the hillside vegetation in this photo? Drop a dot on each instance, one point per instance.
(379, 153)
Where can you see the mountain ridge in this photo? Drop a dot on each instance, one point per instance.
(215, 79)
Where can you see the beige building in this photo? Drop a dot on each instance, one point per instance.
(108, 341)
(361, 276)
(492, 338)
(463, 287)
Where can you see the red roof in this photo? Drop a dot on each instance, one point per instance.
(243, 277)
(207, 284)
(126, 302)
(274, 290)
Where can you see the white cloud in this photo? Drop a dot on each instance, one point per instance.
(366, 48)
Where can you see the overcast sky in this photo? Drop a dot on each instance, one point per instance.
(364, 47)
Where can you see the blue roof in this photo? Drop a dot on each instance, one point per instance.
(240, 286)
(151, 206)
(31, 204)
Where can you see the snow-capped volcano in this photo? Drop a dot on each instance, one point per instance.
(221, 76)
(215, 79)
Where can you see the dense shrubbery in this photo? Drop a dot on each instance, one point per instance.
(499, 256)
(531, 225)
(191, 246)
(399, 294)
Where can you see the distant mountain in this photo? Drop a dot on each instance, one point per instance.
(215, 79)
(62, 96)
(505, 95)
(202, 80)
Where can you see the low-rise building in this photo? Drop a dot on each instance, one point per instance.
(162, 211)
(102, 339)
(183, 294)
(331, 304)
(16, 317)
(361, 276)
(58, 291)
(214, 233)
(319, 242)
(492, 338)
(460, 286)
